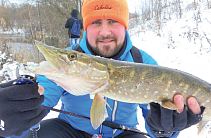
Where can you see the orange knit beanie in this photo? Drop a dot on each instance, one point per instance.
(105, 9)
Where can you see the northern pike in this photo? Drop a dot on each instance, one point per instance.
(81, 74)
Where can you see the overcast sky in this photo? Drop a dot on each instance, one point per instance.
(16, 1)
(131, 3)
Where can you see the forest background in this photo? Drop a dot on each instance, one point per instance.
(44, 20)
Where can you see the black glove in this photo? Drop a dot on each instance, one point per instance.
(20, 108)
(163, 122)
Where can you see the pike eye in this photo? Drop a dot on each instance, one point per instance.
(72, 57)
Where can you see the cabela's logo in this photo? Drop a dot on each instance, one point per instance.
(102, 7)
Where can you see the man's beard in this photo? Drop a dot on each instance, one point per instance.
(116, 49)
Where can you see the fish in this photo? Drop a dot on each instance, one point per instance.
(81, 74)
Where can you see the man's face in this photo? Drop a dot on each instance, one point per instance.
(106, 36)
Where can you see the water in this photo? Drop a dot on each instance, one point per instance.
(20, 47)
(16, 37)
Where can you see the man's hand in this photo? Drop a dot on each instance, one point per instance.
(163, 120)
(20, 108)
(40, 89)
(192, 104)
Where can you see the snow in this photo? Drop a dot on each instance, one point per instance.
(17, 1)
(174, 49)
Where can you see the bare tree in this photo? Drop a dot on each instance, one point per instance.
(44, 21)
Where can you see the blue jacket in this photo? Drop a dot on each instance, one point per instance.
(122, 113)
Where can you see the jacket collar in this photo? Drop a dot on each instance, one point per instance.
(120, 56)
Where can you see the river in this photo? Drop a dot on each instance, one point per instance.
(19, 46)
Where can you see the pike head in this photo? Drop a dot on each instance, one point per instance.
(70, 69)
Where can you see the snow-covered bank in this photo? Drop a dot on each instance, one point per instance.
(181, 45)
(179, 48)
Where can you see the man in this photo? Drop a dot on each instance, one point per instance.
(74, 38)
(105, 23)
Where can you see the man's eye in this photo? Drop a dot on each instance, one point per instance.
(96, 22)
(113, 21)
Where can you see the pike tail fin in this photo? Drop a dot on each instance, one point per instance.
(98, 111)
(204, 129)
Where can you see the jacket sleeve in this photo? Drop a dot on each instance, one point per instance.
(69, 23)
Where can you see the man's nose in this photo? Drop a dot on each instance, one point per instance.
(105, 29)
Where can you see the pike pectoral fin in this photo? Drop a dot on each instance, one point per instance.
(165, 104)
(98, 111)
(169, 105)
